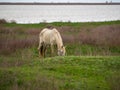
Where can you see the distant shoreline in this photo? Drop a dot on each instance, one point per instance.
(36, 3)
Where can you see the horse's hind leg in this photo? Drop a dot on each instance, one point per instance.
(41, 51)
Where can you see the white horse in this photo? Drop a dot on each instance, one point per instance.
(50, 37)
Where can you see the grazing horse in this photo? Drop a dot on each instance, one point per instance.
(50, 37)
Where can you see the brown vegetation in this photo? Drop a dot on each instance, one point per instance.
(3, 21)
(103, 35)
(13, 38)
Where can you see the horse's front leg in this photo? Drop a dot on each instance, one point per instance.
(44, 51)
(52, 50)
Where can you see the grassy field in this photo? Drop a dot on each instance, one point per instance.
(92, 61)
(60, 73)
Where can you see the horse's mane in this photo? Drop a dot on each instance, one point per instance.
(59, 39)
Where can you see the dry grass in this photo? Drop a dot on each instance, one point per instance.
(107, 35)
(17, 37)
(8, 46)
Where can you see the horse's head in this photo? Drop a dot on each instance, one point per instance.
(61, 51)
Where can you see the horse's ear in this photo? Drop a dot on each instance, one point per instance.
(63, 46)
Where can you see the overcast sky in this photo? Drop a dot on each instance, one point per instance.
(58, 0)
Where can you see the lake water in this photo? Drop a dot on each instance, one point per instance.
(56, 13)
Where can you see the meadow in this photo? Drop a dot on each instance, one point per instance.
(92, 61)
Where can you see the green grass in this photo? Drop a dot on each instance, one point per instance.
(91, 50)
(59, 24)
(64, 73)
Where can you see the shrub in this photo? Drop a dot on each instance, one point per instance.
(3, 21)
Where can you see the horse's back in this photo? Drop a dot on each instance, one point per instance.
(48, 35)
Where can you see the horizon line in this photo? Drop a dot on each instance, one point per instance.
(59, 3)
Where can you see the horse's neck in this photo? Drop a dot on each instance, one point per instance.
(59, 41)
(59, 45)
